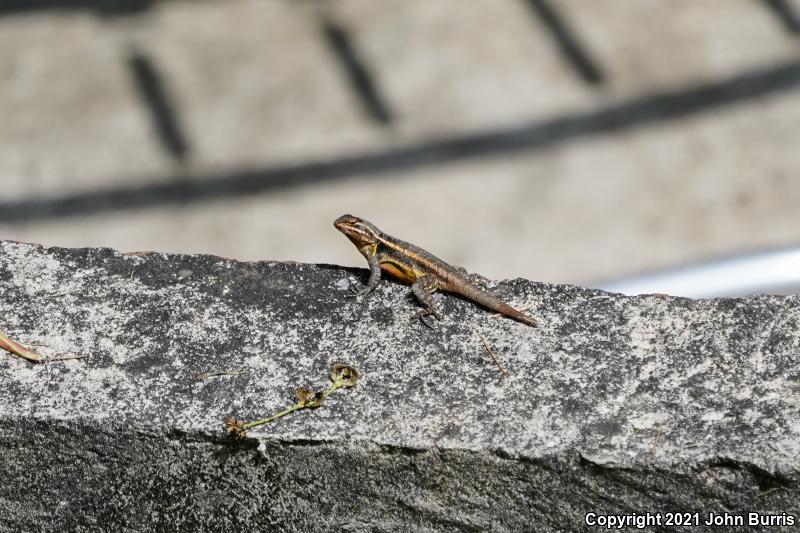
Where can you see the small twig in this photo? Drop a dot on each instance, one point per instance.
(63, 358)
(769, 491)
(656, 439)
(492, 355)
(209, 375)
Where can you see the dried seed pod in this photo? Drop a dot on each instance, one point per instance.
(309, 398)
(344, 375)
(235, 427)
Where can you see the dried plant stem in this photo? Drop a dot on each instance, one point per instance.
(302, 403)
(657, 438)
(261, 422)
(342, 376)
(492, 355)
(214, 374)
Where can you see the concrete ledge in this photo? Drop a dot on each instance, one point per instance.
(614, 405)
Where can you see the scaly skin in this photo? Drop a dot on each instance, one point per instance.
(424, 271)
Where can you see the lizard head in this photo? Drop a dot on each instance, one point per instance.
(359, 231)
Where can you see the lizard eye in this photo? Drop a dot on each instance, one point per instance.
(366, 230)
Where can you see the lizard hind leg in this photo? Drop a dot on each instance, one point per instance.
(474, 277)
(423, 289)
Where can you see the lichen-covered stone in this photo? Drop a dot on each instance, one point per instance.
(613, 405)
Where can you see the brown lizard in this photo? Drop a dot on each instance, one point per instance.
(425, 272)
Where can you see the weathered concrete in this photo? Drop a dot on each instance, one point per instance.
(614, 404)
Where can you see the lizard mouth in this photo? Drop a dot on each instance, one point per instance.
(357, 230)
(346, 223)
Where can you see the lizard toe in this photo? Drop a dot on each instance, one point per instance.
(356, 292)
(424, 317)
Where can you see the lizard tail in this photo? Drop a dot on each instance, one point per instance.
(490, 301)
(513, 313)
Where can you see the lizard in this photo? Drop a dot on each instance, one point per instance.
(424, 271)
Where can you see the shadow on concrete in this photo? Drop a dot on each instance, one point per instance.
(637, 113)
(101, 7)
(573, 51)
(152, 91)
(786, 15)
(358, 74)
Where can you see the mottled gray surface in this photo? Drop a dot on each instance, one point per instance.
(614, 404)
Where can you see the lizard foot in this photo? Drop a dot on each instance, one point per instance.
(355, 292)
(423, 317)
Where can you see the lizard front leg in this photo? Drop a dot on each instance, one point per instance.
(423, 289)
(374, 274)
